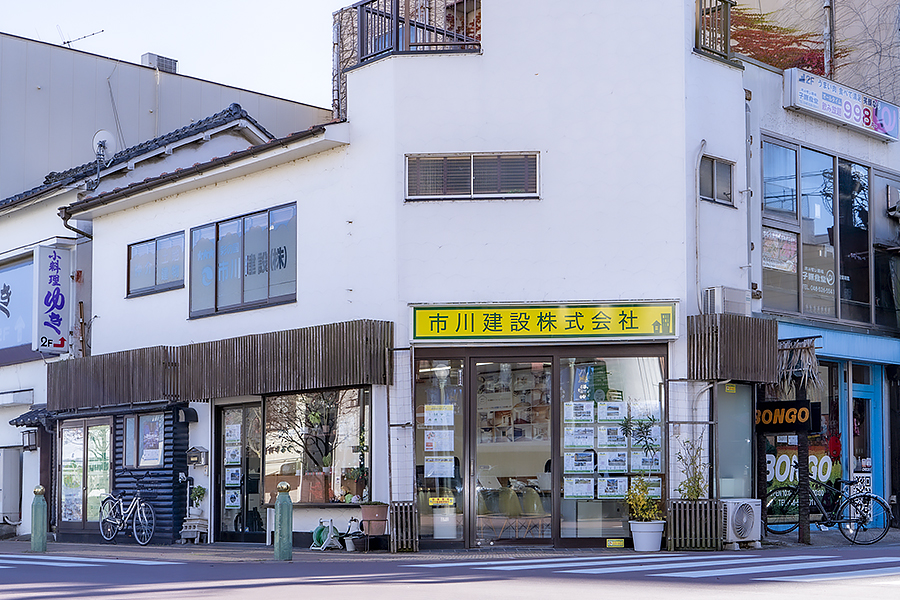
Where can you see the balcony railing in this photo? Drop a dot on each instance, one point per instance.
(714, 27)
(373, 29)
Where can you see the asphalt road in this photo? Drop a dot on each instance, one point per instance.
(109, 572)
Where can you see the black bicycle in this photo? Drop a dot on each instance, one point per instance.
(114, 516)
(862, 518)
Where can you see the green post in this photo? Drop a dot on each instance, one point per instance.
(284, 523)
(39, 521)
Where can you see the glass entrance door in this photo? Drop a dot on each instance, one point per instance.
(512, 481)
(85, 472)
(240, 516)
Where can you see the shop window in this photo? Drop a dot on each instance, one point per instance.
(716, 180)
(779, 262)
(779, 179)
(853, 216)
(318, 442)
(144, 438)
(16, 293)
(472, 176)
(156, 265)
(245, 262)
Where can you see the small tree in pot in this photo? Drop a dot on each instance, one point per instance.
(646, 518)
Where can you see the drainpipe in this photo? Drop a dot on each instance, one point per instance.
(828, 36)
(697, 225)
(748, 137)
(65, 216)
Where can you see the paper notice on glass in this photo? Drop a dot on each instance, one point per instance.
(233, 434)
(579, 412)
(644, 463)
(611, 436)
(611, 411)
(654, 485)
(438, 466)
(578, 437)
(612, 462)
(578, 462)
(612, 487)
(578, 488)
(439, 415)
(439, 440)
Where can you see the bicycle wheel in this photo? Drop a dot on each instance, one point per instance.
(143, 523)
(864, 518)
(110, 518)
(782, 510)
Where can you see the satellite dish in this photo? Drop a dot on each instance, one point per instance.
(109, 140)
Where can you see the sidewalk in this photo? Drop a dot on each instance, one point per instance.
(235, 552)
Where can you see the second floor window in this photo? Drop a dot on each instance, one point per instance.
(244, 262)
(156, 265)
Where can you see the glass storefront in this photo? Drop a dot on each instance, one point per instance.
(527, 447)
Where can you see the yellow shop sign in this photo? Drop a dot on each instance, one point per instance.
(545, 321)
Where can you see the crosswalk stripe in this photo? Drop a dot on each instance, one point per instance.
(682, 565)
(74, 559)
(43, 562)
(617, 560)
(470, 563)
(818, 564)
(831, 576)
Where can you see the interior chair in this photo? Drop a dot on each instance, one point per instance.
(535, 520)
(511, 510)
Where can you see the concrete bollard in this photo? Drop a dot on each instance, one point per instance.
(39, 521)
(284, 522)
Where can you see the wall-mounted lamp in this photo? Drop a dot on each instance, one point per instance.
(29, 439)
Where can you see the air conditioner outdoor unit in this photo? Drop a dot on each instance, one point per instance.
(742, 518)
(721, 299)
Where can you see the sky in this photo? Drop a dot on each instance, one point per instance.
(276, 47)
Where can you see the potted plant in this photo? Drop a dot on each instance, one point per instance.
(646, 521)
(694, 515)
(374, 517)
(197, 494)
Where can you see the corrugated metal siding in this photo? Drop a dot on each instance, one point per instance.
(119, 378)
(160, 486)
(333, 355)
(726, 346)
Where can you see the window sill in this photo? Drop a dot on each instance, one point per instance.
(237, 309)
(156, 290)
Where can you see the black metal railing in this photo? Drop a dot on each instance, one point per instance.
(714, 27)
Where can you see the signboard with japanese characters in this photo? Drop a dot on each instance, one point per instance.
(52, 297)
(649, 320)
(840, 104)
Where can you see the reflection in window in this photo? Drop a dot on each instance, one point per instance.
(779, 258)
(318, 443)
(817, 231)
(156, 265)
(144, 437)
(853, 214)
(779, 179)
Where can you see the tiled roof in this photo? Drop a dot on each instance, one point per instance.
(38, 415)
(57, 179)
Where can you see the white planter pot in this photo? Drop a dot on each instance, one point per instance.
(195, 513)
(647, 535)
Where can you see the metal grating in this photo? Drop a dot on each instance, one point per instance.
(404, 527)
(727, 346)
(694, 525)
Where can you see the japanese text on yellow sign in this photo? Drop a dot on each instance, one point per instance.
(650, 320)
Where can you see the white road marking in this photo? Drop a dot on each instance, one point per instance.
(618, 560)
(818, 564)
(31, 558)
(475, 562)
(831, 576)
(682, 565)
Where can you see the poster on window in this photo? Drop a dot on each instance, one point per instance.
(233, 498)
(232, 455)
(779, 251)
(612, 461)
(439, 466)
(578, 437)
(151, 440)
(578, 488)
(232, 477)
(439, 415)
(578, 462)
(612, 487)
(641, 462)
(439, 440)
(579, 412)
(611, 436)
(611, 411)
(233, 434)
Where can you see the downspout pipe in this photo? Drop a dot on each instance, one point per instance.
(65, 216)
(697, 225)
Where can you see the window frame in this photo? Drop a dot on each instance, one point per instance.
(132, 450)
(714, 198)
(791, 223)
(472, 194)
(242, 304)
(156, 287)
